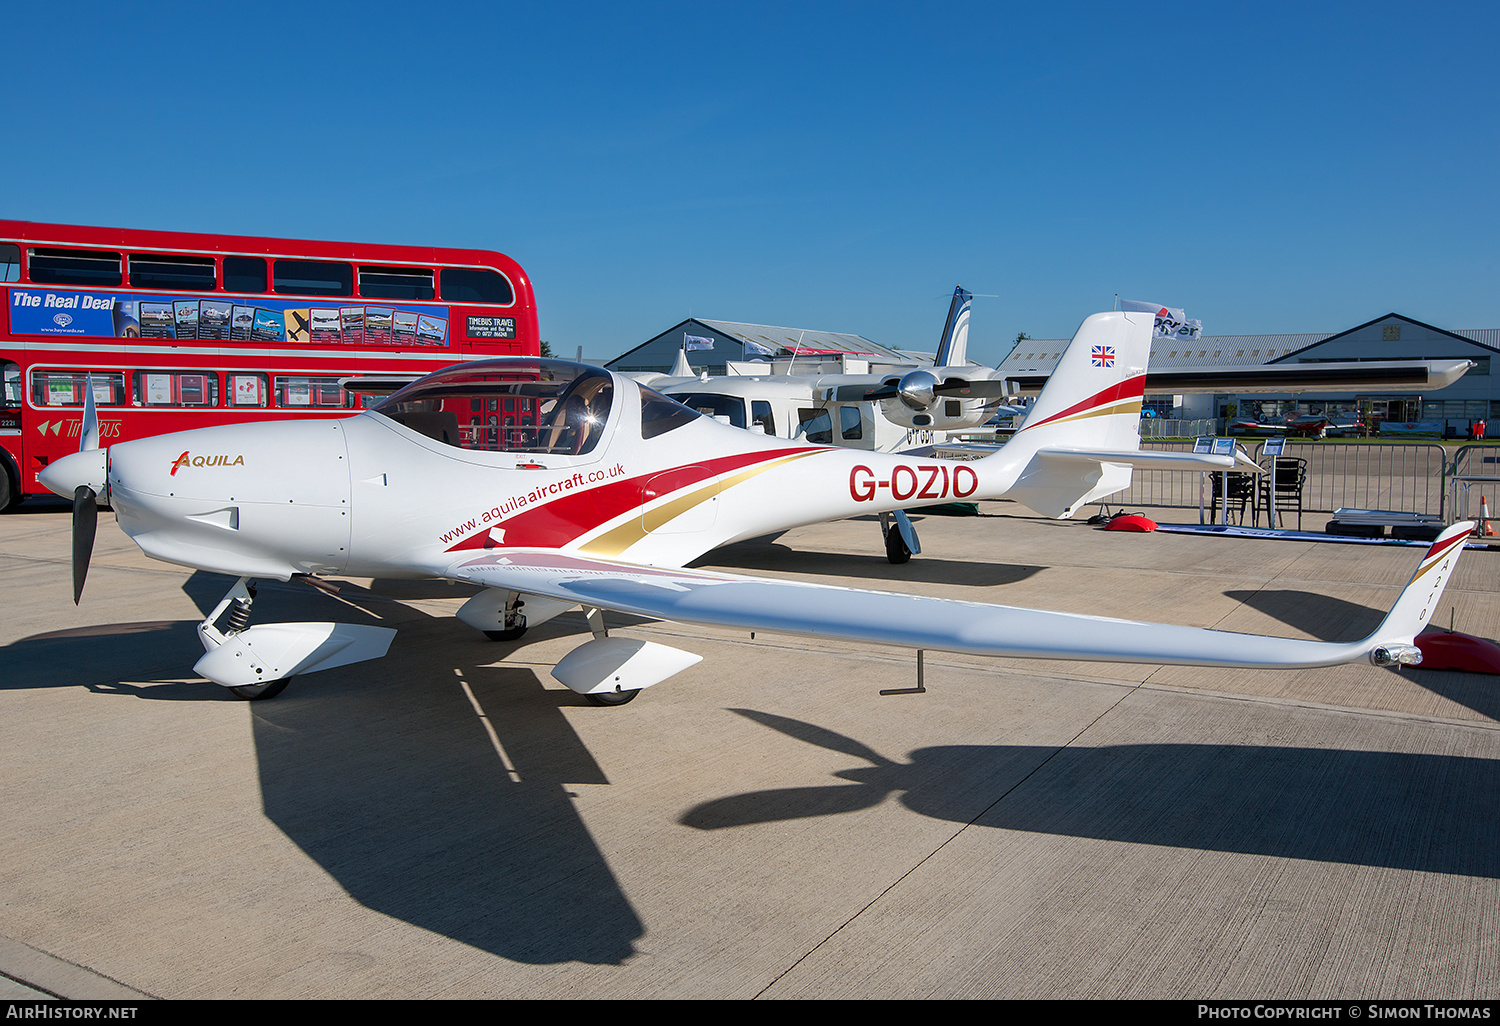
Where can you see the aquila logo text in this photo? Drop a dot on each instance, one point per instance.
(189, 460)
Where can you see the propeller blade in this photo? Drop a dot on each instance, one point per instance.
(981, 389)
(88, 435)
(877, 394)
(85, 524)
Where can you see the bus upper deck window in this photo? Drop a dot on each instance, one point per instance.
(476, 285)
(313, 278)
(244, 274)
(10, 262)
(180, 273)
(396, 283)
(89, 268)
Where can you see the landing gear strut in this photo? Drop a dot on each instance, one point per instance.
(898, 549)
(515, 620)
(238, 602)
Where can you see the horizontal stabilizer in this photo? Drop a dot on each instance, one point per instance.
(1148, 460)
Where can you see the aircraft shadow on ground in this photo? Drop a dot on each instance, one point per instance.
(1428, 813)
(389, 779)
(762, 554)
(1331, 619)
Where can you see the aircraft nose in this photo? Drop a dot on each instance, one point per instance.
(81, 468)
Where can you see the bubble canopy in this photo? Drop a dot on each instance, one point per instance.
(514, 405)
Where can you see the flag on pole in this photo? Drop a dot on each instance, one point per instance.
(1170, 323)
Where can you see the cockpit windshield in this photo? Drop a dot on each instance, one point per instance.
(517, 405)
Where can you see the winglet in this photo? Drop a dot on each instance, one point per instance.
(1395, 639)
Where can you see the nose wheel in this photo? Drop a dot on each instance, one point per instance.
(260, 692)
(611, 697)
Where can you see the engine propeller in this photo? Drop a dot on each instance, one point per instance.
(920, 389)
(84, 474)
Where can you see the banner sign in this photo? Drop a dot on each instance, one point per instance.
(696, 342)
(121, 315)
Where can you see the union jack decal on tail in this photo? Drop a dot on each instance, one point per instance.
(1104, 356)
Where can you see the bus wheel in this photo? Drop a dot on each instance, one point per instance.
(261, 692)
(7, 493)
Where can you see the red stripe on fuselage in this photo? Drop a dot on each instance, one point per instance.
(568, 517)
(1130, 388)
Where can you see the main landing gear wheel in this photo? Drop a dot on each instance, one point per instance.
(508, 634)
(895, 546)
(261, 692)
(611, 697)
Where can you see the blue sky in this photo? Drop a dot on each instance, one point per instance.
(838, 166)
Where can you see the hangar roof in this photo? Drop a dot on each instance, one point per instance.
(1041, 355)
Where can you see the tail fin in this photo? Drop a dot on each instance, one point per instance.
(1092, 401)
(1418, 600)
(953, 347)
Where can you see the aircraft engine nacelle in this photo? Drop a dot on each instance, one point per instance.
(943, 414)
(937, 400)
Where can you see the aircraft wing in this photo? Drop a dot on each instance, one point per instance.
(920, 622)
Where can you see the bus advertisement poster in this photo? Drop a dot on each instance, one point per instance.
(122, 315)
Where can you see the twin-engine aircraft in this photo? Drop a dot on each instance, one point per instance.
(552, 485)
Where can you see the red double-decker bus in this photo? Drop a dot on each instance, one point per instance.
(178, 330)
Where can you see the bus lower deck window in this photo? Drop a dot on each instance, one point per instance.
(68, 388)
(176, 388)
(306, 391)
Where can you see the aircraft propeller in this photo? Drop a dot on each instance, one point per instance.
(85, 499)
(920, 389)
(85, 524)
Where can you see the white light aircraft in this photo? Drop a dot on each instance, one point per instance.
(553, 485)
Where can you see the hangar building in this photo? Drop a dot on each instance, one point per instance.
(713, 345)
(1392, 337)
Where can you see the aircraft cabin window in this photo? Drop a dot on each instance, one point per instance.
(520, 406)
(849, 423)
(660, 414)
(712, 405)
(760, 413)
(816, 426)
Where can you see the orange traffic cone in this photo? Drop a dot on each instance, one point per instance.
(1485, 528)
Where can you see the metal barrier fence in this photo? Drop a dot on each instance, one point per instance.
(1474, 475)
(1353, 475)
(1153, 427)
